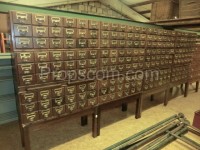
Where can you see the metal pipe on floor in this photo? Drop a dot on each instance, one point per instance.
(145, 132)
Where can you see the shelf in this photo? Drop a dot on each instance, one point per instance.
(5, 56)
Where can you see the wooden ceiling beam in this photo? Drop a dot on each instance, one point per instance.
(144, 12)
(141, 4)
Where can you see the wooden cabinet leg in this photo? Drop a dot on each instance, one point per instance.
(197, 86)
(166, 97)
(181, 86)
(152, 97)
(96, 122)
(171, 90)
(186, 89)
(84, 120)
(22, 135)
(26, 138)
(139, 107)
(124, 107)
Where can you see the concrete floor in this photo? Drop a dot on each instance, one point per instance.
(116, 125)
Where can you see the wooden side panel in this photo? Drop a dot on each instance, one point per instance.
(4, 25)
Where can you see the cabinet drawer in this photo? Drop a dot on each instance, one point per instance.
(70, 22)
(92, 63)
(92, 72)
(70, 98)
(122, 43)
(130, 28)
(82, 33)
(129, 43)
(30, 117)
(44, 94)
(23, 43)
(58, 101)
(94, 24)
(70, 65)
(82, 43)
(105, 53)
(56, 55)
(111, 89)
(58, 76)
(112, 97)
(114, 43)
(92, 54)
(114, 27)
(123, 27)
(22, 30)
(57, 66)
(70, 55)
(55, 32)
(56, 43)
(40, 31)
(103, 98)
(114, 35)
(92, 86)
(27, 80)
(44, 104)
(24, 57)
(55, 21)
(42, 56)
(69, 43)
(93, 34)
(113, 61)
(45, 114)
(26, 68)
(103, 83)
(70, 90)
(105, 26)
(82, 104)
(71, 107)
(119, 95)
(58, 110)
(105, 34)
(82, 23)
(105, 43)
(81, 64)
(41, 43)
(28, 97)
(81, 88)
(58, 91)
(42, 67)
(93, 43)
(92, 94)
(122, 35)
(70, 32)
(114, 53)
(92, 102)
(21, 17)
(43, 78)
(40, 19)
(81, 96)
(104, 62)
(81, 54)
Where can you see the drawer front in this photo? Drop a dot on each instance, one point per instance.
(123, 27)
(113, 61)
(82, 33)
(119, 87)
(105, 43)
(129, 43)
(27, 80)
(81, 64)
(26, 68)
(81, 88)
(55, 21)
(119, 95)
(58, 110)
(82, 104)
(112, 97)
(70, 33)
(92, 63)
(105, 53)
(94, 24)
(58, 101)
(111, 89)
(114, 27)
(92, 94)
(56, 56)
(70, 90)
(43, 67)
(82, 54)
(42, 56)
(55, 32)
(21, 17)
(71, 74)
(57, 66)
(114, 53)
(103, 98)
(44, 104)
(71, 107)
(122, 43)
(56, 43)
(114, 35)
(24, 57)
(45, 114)
(69, 43)
(93, 43)
(70, 98)
(82, 43)
(41, 43)
(22, 30)
(44, 94)
(70, 65)
(103, 83)
(92, 86)
(28, 97)
(92, 54)
(40, 19)
(58, 76)
(121, 53)
(58, 91)
(43, 78)
(105, 34)
(30, 117)
(92, 72)
(40, 31)
(105, 26)
(23, 43)
(130, 28)
(92, 102)
(122, 35)
(70, 22)
(81, 96)
(93, 34)
(70, 55)
(104, 62)
(82, 23)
